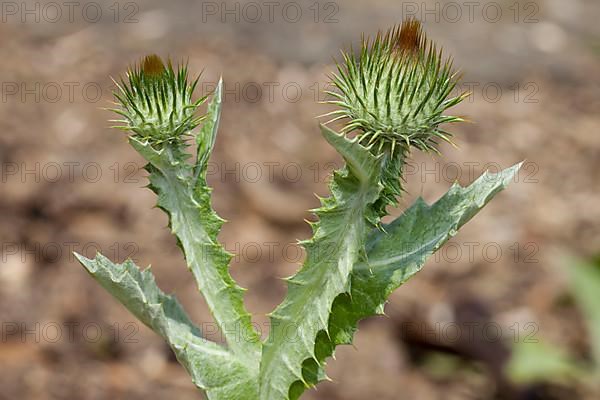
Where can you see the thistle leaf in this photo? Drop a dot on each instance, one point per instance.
(185, 196)
(339, 237)
(211, 366)
(205, 140)
(196, 226)
(393, 256)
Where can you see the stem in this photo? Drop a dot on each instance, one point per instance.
(345, 219)
(186, 199)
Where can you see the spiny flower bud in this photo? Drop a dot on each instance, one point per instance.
(156, 101)
(394, 93)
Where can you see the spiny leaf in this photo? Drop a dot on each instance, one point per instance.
(212, 367)
(196, 226)
(185, 196)
(205, 140)
(338, 240)
(393, 256)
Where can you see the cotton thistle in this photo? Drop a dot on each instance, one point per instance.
(393, 97)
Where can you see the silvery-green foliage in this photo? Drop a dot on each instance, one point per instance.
(393, 98)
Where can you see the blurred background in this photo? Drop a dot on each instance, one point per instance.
(70, 183)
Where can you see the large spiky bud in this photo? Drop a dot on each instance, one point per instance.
(156, 101)
(395, 91)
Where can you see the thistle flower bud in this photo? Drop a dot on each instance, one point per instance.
(156, 101)
(394, 93)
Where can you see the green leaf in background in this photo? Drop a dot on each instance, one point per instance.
(585, 282)
(531, 362)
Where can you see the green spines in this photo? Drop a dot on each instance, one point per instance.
(391, 180)
(394, 93)
(156, 102)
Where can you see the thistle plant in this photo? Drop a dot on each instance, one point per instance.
(392, 97)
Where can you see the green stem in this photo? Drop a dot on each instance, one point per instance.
(186, 199)
(345, 219)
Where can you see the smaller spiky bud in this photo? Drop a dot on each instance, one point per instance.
(396, 91)
(156, 101)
